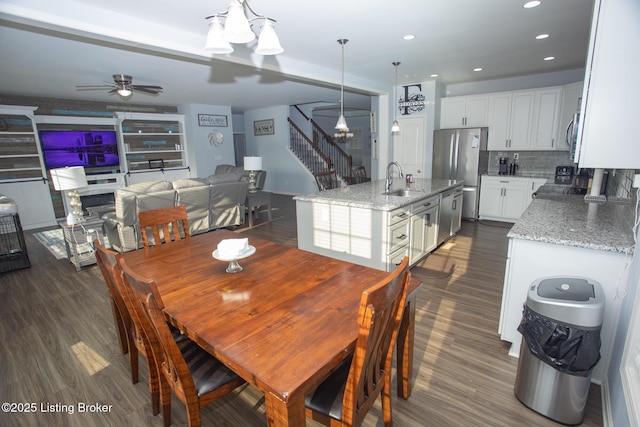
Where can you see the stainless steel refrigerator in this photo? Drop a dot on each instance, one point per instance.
(461, 154)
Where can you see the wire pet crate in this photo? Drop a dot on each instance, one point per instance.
(13, 249)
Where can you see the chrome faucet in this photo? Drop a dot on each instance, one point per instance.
(389, 182)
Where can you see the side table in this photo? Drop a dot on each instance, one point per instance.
(78, 240)
(255, 200)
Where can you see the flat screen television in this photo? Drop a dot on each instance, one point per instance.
(91, 149)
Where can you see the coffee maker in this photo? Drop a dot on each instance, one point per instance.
(504, 167)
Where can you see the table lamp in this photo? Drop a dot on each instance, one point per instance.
(252, 164)
(70, 179)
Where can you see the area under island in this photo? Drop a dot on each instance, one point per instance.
(361, 224)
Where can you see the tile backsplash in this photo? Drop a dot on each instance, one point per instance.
(543, 164)
(534, 163)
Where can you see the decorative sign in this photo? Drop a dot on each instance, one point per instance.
(216, 138)
(412, 101)
(263, 127)
(212, 120)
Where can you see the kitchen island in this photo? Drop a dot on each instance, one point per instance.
(360, 224)
(562, 235)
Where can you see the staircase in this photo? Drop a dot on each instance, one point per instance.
(322, 153)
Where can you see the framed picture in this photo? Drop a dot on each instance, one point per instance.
(263, 127)
(212, 120)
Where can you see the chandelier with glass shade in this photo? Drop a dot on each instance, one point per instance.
(237, 29)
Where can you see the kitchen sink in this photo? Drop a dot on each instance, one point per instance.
(403, 192)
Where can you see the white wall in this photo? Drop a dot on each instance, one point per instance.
(204, 156)
(285, 173)
(532, 81)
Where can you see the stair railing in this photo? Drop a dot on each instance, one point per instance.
(342, 161)
(307, 151)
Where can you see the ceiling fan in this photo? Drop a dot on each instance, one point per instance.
(123, 86)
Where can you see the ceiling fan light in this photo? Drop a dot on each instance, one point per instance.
(124, 92)
(268, 43)
(216, 42)
(237, 28)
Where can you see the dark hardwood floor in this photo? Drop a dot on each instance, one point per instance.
(60, 352)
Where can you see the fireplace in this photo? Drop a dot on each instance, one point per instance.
(92, 200)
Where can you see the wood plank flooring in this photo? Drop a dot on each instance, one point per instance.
(59, 348)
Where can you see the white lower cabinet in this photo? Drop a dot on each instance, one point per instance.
(503, 199)
(424, 228)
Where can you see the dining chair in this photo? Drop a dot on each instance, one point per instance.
(345, 397)
(135, 341)
(326, 180)
(195, 376)
(359, 174)
(164, 223)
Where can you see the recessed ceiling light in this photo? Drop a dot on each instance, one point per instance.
(549, 58)
(530, 4)
(542, 36)
(408, 37)
(477, 69)
(433, 75)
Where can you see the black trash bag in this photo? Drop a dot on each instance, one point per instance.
(568, 349)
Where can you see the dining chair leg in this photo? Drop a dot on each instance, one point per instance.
(120, 328)
(165, 400)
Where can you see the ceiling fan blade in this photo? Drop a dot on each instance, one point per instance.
(94, 87)
(151, 90)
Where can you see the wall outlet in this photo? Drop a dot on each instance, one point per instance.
(516, 156)
(636, 181)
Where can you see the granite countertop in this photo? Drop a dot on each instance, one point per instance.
(568, 220)
(369, 195)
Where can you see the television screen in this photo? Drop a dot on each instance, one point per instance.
(90, 149)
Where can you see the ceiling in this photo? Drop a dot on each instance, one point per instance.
(50, 47)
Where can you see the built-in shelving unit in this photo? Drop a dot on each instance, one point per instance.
(19, 145)
(152, 142)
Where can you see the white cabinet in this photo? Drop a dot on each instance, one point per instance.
(450, 213)
(569, 106)
(544, 132)
(463, 111)
(153, 144)
(424, 228)
(22, 174)
(510, 120)
(503, 199)
(534, 185)
(610, 100)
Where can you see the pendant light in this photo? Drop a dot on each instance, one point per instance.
(342, 123)
(396, 127)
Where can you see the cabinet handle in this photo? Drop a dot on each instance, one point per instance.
(553, 141)
(427, 217)
(426, 204)
(402, 215)
(401, 237)
(454, 205)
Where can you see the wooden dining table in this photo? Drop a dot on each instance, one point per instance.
(283, 323)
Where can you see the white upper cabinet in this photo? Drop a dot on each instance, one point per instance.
(610, 99)
(463, 111)
(510, 117)
(544, 132)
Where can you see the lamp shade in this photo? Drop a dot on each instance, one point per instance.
(253, 163)
(268, 43)
(237, 28)
(216, 42)
(69, 178)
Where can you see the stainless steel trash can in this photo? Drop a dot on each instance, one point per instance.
(544, 384)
